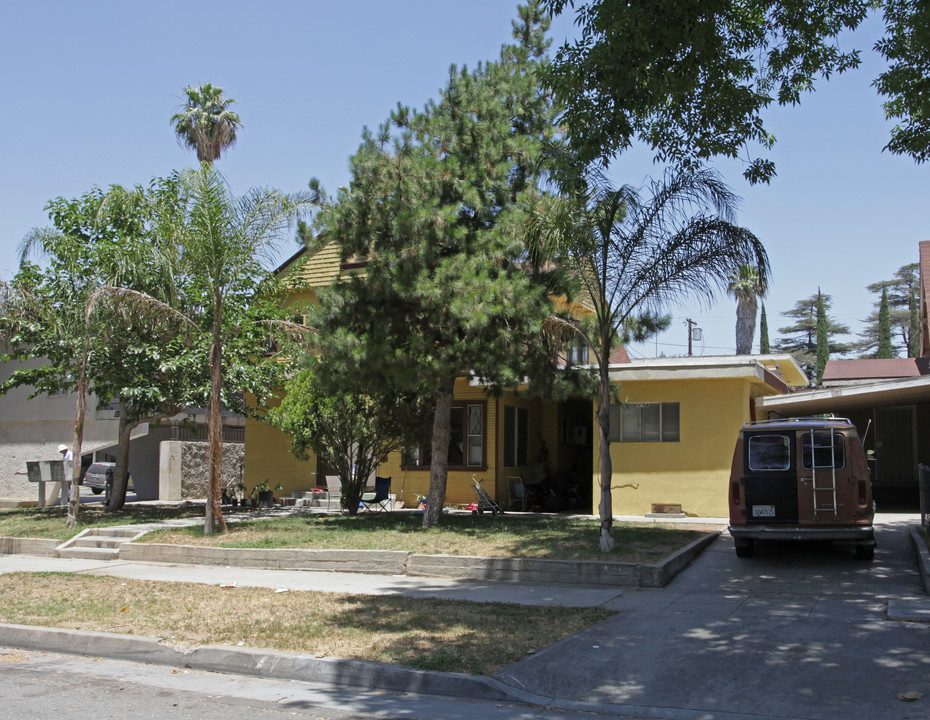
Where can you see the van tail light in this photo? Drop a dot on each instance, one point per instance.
(862, 493)
(735, 493)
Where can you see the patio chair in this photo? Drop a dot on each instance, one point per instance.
(519, 496)
(334, 491)
(379, 498)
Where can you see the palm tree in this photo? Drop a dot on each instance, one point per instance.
(634, 255)
(205, 123)
(221, 243)
(747, 284)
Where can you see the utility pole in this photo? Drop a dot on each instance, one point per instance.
(694, 333)
(690, 323)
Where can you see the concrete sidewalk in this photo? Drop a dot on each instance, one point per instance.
(799, 631)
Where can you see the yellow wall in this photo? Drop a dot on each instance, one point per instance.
(693, 472)
(268, 455)
(409, 484)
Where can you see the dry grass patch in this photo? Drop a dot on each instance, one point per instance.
(452, 636)
(49, 522)
(483, 536)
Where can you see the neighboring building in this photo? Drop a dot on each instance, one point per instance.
(32, 429)
(675, 433)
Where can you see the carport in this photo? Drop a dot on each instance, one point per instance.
(892, 417)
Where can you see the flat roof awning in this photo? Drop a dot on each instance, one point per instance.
(848, 397)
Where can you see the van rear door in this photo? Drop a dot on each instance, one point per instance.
(770, 478)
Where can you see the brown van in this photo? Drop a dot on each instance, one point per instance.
(801, 479)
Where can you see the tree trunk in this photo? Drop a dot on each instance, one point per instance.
(439, 466)
(213, 519)
(605, 506)
(745, 325)
(120, 476)
(74, 496)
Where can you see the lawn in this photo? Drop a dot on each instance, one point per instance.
(446, 635)
(49, 522)
(483, 536)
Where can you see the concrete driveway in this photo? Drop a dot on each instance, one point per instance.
(797, 631)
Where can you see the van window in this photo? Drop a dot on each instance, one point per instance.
(829, 449)
(769, 452)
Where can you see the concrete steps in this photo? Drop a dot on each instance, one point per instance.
(98, 543)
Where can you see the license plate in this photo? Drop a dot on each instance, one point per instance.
(763, 511)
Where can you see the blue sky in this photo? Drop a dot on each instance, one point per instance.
(89, 89)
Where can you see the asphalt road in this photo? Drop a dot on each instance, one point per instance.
(47, 686)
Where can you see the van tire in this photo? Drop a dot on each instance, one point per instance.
(744, 548)
(865, 552)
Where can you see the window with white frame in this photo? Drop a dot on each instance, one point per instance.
(466, 440)
(644, 422)
(516, 435)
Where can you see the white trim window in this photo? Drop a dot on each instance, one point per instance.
(645, 422)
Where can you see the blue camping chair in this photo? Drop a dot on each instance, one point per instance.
(380, 497)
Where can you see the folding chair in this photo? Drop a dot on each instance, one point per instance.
(333, 490)
(381, 495)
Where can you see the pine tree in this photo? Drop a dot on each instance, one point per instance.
(436, 210)
(800, 338)
(884, 328)
(764, 346)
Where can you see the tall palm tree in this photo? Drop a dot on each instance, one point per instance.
(205, 123)
(221, 243)
(633, 254)
(747, 284)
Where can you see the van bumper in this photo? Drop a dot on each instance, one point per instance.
(857, 533)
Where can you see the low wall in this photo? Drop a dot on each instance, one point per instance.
(183, 468)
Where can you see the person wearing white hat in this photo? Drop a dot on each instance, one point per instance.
(68, 457)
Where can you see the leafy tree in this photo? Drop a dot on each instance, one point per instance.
(690, 78)
(901, 294)
(91, 243)
(746, 285)
(436, 207)
(800, 338)
(906, 46)
(205, 123)
(633, 253)
(226, 297)
(764, 346)
(884, 328)
(352, 429)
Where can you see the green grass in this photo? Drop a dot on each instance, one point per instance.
(429, 634)
(49, 522)
(482, 536)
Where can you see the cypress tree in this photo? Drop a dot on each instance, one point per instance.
(764, 346)
(884, 328)
(823, 338)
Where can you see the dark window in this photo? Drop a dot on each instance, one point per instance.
(829, 449)
(645, 422)
(769, 452)
(516, 434)
(466, 439)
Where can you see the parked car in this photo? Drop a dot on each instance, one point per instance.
(801, 479)
(99, 478)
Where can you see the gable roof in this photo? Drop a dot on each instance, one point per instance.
(846, 372)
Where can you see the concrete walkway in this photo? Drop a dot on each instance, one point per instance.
(795, 632)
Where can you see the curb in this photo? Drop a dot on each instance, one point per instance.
(923, 557)
(265, 663)
(398, 562)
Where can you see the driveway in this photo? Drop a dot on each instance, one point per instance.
(797, 631)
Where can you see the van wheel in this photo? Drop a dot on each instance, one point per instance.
(744, 548)
(865, 552)
(96, 491)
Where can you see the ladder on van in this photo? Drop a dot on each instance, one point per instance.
(823, 483)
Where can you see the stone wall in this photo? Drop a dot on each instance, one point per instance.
(184, 468)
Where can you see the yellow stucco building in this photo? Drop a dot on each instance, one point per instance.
(672, 433)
